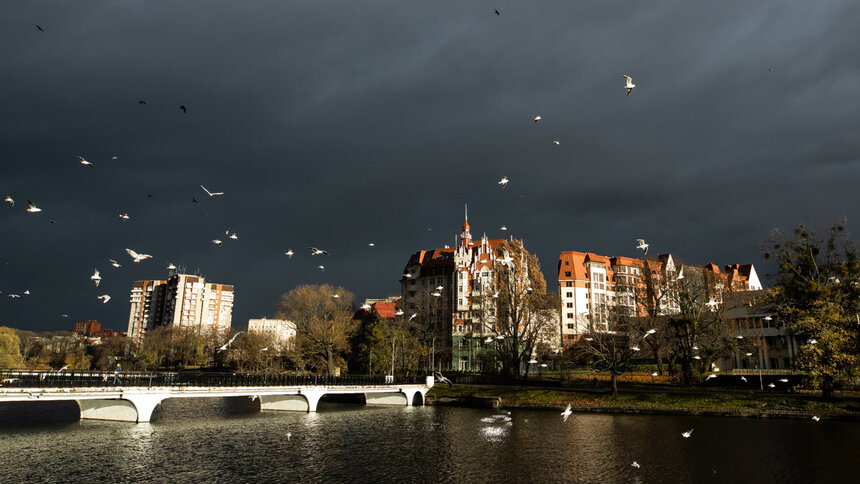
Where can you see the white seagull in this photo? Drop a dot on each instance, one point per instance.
(138, 257)
(399, 312)
(371, 244)
(504, 181)
(170, 266)
(712, 375)
(123, 216)
(289, 253)
(233, 236)
(566, 413)
(536, 119)
(784, 380)
(27, 292)
(744, 379)
(211, 194)
(680, 274)
(85, 162)
(315, 251)
(217, 242)
(503, 227)
(9, 200)
(635, 464)
(105, 298)
(816, 418)
(96, 277)
(629, 85)
(115, 263)
(32, 208)
(642, 245)
(634, 348)
(649, 332)
(712, 304)
(771, 385)
(365, 306)
(231, 340)
(322, 268)
(556, 142)
(687, 434)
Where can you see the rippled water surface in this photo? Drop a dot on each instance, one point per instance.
(229, 440)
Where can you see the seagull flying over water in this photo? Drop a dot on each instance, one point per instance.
(114, 263)
(635, 464)
(315, 251)
(504, 181)
(211, 194)
(744, 379)
(40, 28)
(687, 434)
(289, 253)
(138, 257)
(642, 245)
(536, 119)
(96, 277)
(217, 242)
(9, 199)
(32, 208)
(816, 418)
(629, 85)
(123, 216)
(566, 413)
(105, 298)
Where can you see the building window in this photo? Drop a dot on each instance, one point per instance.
(567, 274)
(571, 326)
(568, 294)
(570, 315)
(567, 262)
(568, 284)
(570, 304)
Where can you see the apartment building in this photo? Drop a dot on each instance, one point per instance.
(590, 285)
(182, 301)
(283, 331)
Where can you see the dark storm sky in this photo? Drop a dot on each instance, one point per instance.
(339, 123)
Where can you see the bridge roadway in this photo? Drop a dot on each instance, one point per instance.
(136, 395)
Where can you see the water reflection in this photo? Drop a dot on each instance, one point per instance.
(222, 440)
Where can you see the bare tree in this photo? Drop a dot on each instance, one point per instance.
(323, 323)
(611, 351)
(523, 306)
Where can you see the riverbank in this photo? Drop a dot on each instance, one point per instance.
(697, 402)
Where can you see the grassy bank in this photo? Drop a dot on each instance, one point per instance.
(655, 399)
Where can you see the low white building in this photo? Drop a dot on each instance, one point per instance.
(284, 331)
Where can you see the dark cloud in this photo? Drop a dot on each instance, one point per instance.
(336, 124)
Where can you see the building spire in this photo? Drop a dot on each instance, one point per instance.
(466, 236)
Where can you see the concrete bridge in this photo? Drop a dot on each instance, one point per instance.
(134, 397)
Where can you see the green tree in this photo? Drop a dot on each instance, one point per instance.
(818, 296)
(10, 349)
(324, 323)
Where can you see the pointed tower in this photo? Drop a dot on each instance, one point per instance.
(466, 237)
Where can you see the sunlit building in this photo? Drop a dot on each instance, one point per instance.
(590, 285)
(450, 291)
(182, 301)
(283, 331)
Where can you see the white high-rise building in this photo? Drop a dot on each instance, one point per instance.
(182, 301)
(283, 331)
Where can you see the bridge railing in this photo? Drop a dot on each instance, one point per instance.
(76, 379)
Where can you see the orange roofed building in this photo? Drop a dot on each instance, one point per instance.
(589, 284)
(449, 291)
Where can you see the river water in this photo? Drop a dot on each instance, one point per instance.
(229, 440)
